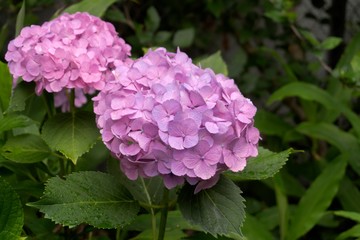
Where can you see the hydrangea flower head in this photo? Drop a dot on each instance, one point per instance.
(163, 115)
(73, 51)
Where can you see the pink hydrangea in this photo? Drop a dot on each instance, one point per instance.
(163, 115)
(73, 51)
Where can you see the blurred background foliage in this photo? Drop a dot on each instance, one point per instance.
(299, 62)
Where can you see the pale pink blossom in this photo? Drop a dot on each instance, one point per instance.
(73, 51)
(163, 115)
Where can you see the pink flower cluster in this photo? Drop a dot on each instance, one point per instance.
(73, 51)
(163, 115)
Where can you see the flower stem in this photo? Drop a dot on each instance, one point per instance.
(72, 101)
(164, 213)
(121, 233)
(48, 110)
(153, 217)
(62, 167)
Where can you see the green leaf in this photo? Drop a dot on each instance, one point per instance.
(20, 169)
(21, 94)
(218, 210)
(269, 217)
(282, 204)
(175, 221)
(317, 198)
(349, 195)
(152, 20)
(169, 235)
(344, 141)
(116, 15)
(72, 135)
(175, 226)
(306, 91)
(309, 36)
(10, 122)
(148, 191)
(91, 160)
(215, 62)
(254, 229)
(184, 38)
(344, 68)
(236, 59)
(328, 220)
(311, 92)
(271, 124)
(265, 165)
(26, 149)
(11, 213)
(326, 131)
(330, 43)
(4, 32)
(29, 187)
(87, 197)
(42, 228)
(20, 19)
(353, 232)
(161, 37)
(93, 7)
(5, 86)
(288, 71)
(350, 215)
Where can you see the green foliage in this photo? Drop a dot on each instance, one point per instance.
(265, 165)
(87, 197)
(330, 43)
(93, 7)
(254, 229)
(20, 19)
(346, 142)
(152, 21)
(349, 195)
(184, 38)
(354, 232)
(215, 62)
(305, 91)
(9, 122)
(307, 98)
(19, 98)
(26, 149)
(271, 124)
(347, 69)
(5, 86)
(11, 213)
(72, 135)
(350, 215)
(218, 210)
(317, 198)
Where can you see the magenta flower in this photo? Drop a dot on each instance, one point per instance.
(74, 51)
(163, 115)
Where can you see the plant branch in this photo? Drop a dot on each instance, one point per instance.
(164, 213)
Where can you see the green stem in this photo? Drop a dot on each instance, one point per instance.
(164, 213)
(121, 234)
(118, 233)
(153, 217)
(71, 98)
(282, 204)
(62, 167)
(48, 110)
(70, 167)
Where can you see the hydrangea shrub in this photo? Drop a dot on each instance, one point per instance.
(163, 115)
(73, 51)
